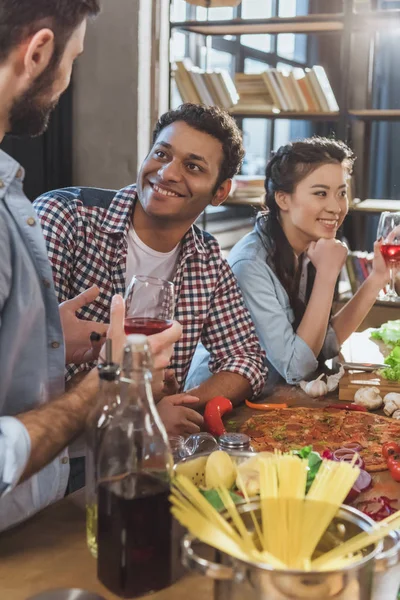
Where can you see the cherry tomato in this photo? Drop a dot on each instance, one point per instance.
(394, 468)
(392, 460)
(390, 448)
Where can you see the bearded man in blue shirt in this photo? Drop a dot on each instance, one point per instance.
(39, 41)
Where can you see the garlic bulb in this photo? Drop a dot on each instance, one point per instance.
(396, 414)
(368, 397)
(332, 381)
(392, 403)
(315, 388)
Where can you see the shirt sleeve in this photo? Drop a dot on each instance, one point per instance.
(286, 351)
(5, 266)
(14, 438)
(59, 229)
(15, 447)
(229, 334)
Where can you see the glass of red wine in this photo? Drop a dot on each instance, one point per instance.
(149, 305)
(389, 231)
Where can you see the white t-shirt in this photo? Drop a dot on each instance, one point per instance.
(142, 260)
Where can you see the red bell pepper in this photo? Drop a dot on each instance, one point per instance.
(265, 406)
(214, 411)
(352, 406)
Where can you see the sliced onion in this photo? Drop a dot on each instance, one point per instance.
(363, 481)
(347, 455)
(353, 446)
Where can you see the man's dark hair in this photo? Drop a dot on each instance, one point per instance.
(217, 123)
(20, 19)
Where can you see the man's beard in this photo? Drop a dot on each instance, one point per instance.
(30, 113)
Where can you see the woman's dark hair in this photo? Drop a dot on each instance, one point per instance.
(216, 122)
(286, 168)
(20, 19)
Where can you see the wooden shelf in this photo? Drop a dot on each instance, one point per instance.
(307, 24)
(376, 206)
(306, 116)
(375, 114)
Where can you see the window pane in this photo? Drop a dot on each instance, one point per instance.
(255, 133)
(176, 99)
(258, 41)
(178, 45)
(254, 66)
(291, 8)
(214, 14)
(286, 45)
(254, 9)
(287, 131)
(282, 133)
(178, 10)
(215, 59)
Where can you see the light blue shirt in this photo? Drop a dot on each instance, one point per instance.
(289, 358)
(287, 353)
(32, 354)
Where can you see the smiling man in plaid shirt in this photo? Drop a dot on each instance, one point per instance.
(94, 237)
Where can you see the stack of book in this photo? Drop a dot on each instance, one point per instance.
(308, 90)
(357, 268)
(247, 189)
(210, 88)
(305, 91)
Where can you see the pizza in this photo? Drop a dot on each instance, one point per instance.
(324, 429)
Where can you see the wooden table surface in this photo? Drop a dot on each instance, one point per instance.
(49, 551)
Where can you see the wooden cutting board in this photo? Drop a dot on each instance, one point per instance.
(360, 348)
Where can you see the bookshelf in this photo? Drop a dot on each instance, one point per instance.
(343, 24)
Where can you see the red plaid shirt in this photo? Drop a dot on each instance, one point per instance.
(88, 245)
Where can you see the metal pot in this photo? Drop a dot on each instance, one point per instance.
(387, 569)
(238, 579)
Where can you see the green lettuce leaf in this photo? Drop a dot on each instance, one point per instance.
(314, 463)
(213, 498)
(392, 373)
(389, 333)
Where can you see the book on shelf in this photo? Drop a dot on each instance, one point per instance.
(247, 189)
(271, 91)
(211, 88)
(277, 90)
(356, 270)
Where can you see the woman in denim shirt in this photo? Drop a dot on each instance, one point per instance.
(288, 266)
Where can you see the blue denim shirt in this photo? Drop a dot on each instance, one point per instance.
(287, 353)
(32, 354)
(288, 356)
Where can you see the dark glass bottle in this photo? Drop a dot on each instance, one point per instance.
(99, 418)
(135, 463)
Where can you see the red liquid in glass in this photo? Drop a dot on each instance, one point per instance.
(145, 325)
(391, 252)
(134, 537)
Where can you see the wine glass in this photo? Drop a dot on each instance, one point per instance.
(149, 305)
(389, 231)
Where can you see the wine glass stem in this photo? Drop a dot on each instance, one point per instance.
(392, 289)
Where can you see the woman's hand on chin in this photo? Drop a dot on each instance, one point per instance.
(328, 256)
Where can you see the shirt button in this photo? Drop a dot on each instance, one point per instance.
(46, 283)
(2, 184)
(55, 345)
(64, 460)
(31, 221)
(19, 173)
